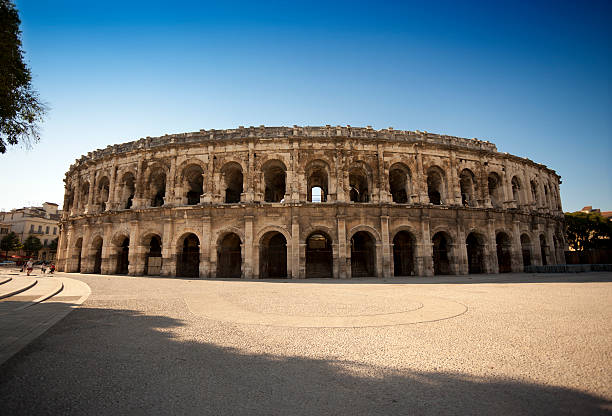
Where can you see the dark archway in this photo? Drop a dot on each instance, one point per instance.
(319, 256)
(475, 252)
(441, 262)
(229, 257)
(275, 174)
(128, 189)
(467, 183)
(504, 254)
(399, 183)
(193, 181)
(494, 186)
(233, 179)
(123, 256)
(97, 256)
(363, 255)
(526, 250)
(543, 250)
(273, 256)
(435, 185)
(358, 184)
(78, 248)
(188, 258)
(153, 258)
(317, 181)
(403, 254)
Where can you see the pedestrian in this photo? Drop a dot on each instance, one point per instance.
(29, 266)
(51, 268)
(43, 268)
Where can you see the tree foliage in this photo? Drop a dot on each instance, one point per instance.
(20, 108)
(32, 245)
(10, 242)
(53, 244)
(587, 230)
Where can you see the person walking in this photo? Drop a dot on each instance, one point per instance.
(43, 268)
(51, 268)
(29, 266)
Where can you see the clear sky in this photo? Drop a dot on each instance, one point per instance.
(532, 77)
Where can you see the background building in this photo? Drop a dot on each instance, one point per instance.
(41, 222)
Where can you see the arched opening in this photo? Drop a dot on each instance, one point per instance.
(128, 190)
(274, 181)
(84, 196)
(123, 253)
(475, 252)
(441, 248)
(229, 257)
(358, 183)
(526, 249)
(319, 256)
(69, 200)
(157, 187)
(193, 182)
(317, 182)
(77, 254)
(96, 247)
(504, 254)
(188, 258)
(403, 254)
(543, 250)
(516, 189)
(153, 258)
(363, 255)
(232, 175)
(467, 183)
(399, 183)
(546, 198)
(103, 193)
(435, 186)
(273, 256)
(494, 186)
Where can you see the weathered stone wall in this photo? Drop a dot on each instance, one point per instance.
(254, 183)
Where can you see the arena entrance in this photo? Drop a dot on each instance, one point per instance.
(526, 250)
(319, 256)
(441, 262)
(504, 256)
(123, 256)
(97, 257)
(273, 256)
(188, 259)
(363, 255)
(153, 259)
(403, 254)
(475, 252)
(229, 257)
(543, 249)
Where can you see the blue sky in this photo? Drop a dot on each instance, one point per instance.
(532, 77)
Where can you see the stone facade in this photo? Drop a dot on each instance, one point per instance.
(299, 202)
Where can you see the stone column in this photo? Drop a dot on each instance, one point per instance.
(339, 177)
(491, 248)
(85, 249)
(421, 184)
(424, 259)
(111, 203)
(139, 200)
(461, 251)
(106, 267)
(382, 183)
(387, 260)
(296, 178)
(92, 189)
(205, 248)
(168, 251)
(551, 244)
(170, 198)
(453, 182)
(134, 249)
(517, 251)
(296, 269)
(249, 272)
(63, 248)
(344, 261)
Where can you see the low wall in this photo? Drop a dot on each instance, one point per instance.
(569, 268)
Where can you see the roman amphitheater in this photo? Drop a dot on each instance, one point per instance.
(308, 202)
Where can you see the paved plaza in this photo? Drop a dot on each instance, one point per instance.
(510, 344)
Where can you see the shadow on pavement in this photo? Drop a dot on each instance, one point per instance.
(116, 362)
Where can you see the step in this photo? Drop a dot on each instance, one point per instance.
(44, 289)
(16, 285)
(4, 280)
(20, 327)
